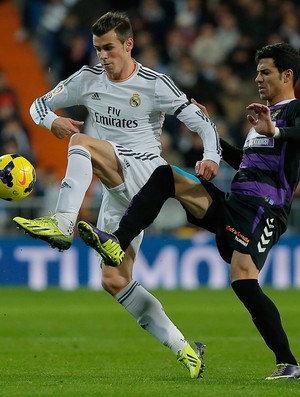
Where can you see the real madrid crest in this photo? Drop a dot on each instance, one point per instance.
(135, 100)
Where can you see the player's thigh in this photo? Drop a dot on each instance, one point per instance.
(114, 279)
(191, 193)
(242, 267)
(106, 165)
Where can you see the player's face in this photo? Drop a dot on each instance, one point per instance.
(271, 83)
(114, 56)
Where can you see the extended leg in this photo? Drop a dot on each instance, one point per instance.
(85, 156)
(146, 205)
(165, 182)
(149, 313)
(264, 313)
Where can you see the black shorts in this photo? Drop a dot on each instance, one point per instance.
(240, 224)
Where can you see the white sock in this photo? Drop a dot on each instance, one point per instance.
(66, 222)
(149, 313)
(73, 188)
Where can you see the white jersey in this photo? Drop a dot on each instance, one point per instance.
(129, 112)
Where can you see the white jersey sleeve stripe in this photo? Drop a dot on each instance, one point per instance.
(150, 75)
(41, 108)
(171, 85)
(94, 70)
(147, 76)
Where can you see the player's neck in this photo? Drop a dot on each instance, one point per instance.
(284, 96)
(128, 70)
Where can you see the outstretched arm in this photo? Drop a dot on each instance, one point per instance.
(196, 120)
(206, 168)
(231, 154)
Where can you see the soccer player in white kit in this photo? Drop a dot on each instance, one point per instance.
(126, 103)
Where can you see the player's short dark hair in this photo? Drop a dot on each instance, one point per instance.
(284, 55)
(117, 21)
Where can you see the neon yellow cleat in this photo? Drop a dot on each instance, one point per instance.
(192, 360)
(45, 228)
(107, 245)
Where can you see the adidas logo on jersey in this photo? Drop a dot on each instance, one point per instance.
(96, 96)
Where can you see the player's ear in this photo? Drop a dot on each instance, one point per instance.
(129, 44)
(287, 75)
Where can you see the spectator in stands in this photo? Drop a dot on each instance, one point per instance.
(30, 13)
(207, 50)
(9, 105)
(290, 29)
(13, 128)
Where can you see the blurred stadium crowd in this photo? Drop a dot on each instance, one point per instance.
(206, 46)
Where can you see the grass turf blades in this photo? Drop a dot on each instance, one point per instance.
(83, 344)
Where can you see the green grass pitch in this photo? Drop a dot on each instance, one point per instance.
(83, 344)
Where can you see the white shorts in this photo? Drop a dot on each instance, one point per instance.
(137, 168)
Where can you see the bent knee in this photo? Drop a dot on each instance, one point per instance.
(113, 285)
(242, 267)
(79, 139)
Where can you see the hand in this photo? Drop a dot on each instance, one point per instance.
(201, 107)
(208, 169)
(63, 127)
(263, 124)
